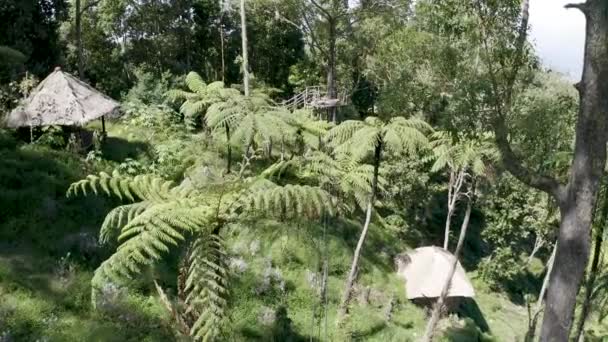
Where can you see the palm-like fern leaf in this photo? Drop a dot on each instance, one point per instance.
(118, 217)
(286, 202)
(207, 286)
(143, 187)
(146, 238)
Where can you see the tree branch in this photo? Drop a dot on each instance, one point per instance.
(510, 160)
(321, 8)
(89, 5)
(513, 164)
(313, 37)
(583, 7)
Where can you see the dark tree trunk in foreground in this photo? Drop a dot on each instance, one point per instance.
(577, 198)
(595, 263)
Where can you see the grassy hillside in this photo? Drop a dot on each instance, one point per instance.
(48, 251)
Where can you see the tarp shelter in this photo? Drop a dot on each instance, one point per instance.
(61, 99)
(426, 270)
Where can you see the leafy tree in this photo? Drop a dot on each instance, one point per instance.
(504, 59)
(31, 27)
(465, 159)
(360, 139)
(162, 217)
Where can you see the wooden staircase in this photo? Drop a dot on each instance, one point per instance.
(314, 97)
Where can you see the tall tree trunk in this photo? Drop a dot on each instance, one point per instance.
(245, 53)
(577, 200)
(229, 146)
(448, 219)
(352, 275)
(595, 263)
(332, 92)
(221, 25)
(436, 314)
(78, 14)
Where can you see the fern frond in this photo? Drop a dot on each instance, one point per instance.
(343, 132)
(207, 286)
(180, 95)
(143, 187)
(146, 238)
(288, 202)
(118, 217)
(195, 82)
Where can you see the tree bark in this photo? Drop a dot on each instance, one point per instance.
(595, 263)
(432, 324)
(245, 53)
(454, 187)
(78, 20)
(352, 275)
(229, 157)
(577, 200)
(332, 92)
(223, 61)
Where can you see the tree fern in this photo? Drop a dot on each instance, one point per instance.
(372, 138)
(163, 217)
(196, 101)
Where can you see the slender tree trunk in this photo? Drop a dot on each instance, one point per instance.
(436, 314)
(454, 186)
(595, 263)
(541, 298)
(245, 53)
(539, 242)
(448, 219)
(229, 146)
(332, 92)
(78, 20)
(352, 275)
(222, 47)
(577, 200)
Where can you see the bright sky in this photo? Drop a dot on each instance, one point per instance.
(558, 35)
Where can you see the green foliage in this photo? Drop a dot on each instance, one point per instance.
(164, 217)
(207, 286)
(197, 100)
(360, 138)
(502, 268)
(460, 153)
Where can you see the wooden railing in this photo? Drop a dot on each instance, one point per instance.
(314, 97)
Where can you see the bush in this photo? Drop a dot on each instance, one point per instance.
(501, 269)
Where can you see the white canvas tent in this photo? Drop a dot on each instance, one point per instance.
(426, 270)
(61, 99)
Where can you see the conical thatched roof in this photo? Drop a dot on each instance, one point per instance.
(61, 99)
(426, 270)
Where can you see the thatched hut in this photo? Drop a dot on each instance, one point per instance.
(61, 99)
(426, 270)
